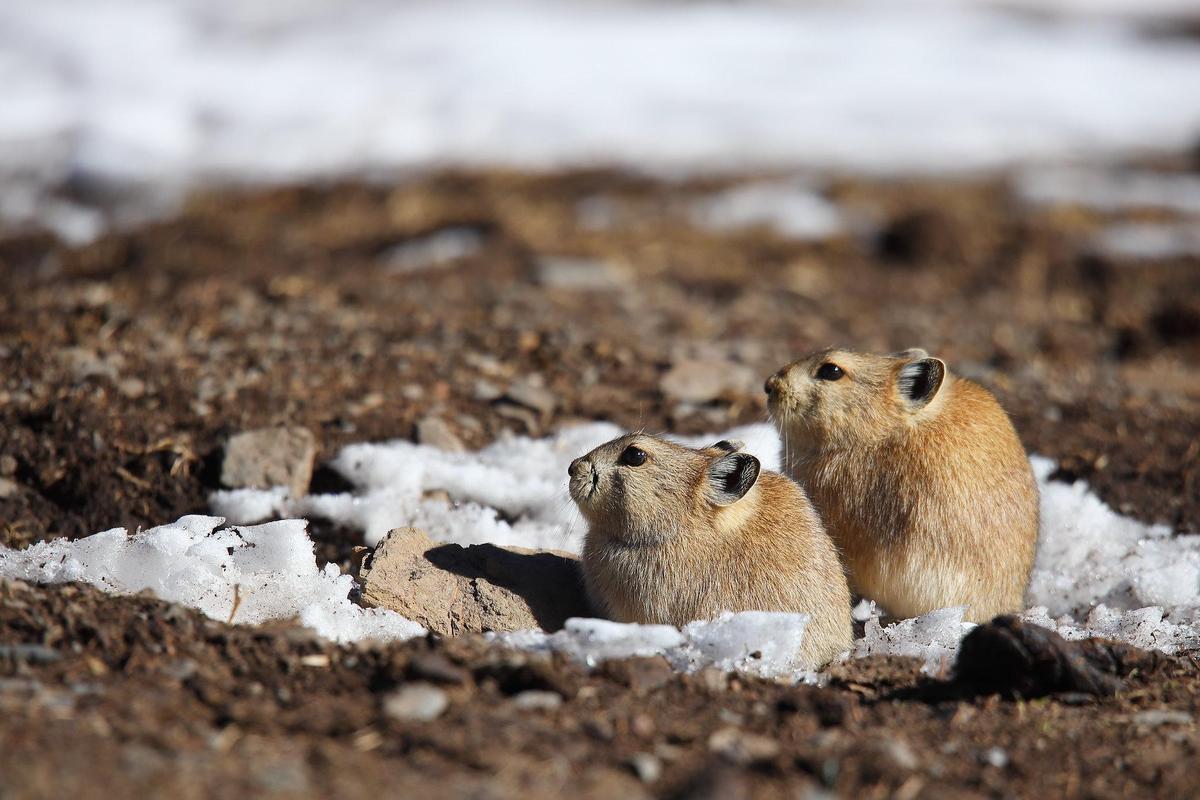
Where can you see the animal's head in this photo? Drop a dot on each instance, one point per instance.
(842, 398)
(645, 489)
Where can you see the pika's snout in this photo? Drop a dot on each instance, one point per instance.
(777, 382)
(584, 478)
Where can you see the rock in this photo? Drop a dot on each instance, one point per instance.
(416, 702)
(890, 756)
(1017, 658)
(647, 767)
(452, 589)
(532, 393)
(84, 363)
(133, 388)
(703, 381)
(436, 668)
(9, 488)
(740, 747)
(434, 432)
(537, 700)
(528, 419)
(270, 457)
(486, 391)
(8, 466)
(713, 679)
(29, 653)
(642, 675)
(1162, 716)
(581, 274)
(995, 757)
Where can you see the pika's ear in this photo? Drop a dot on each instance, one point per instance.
(728, 446)
(911, 354)
(731, 476)
(920, 381)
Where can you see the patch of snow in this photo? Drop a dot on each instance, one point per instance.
(438, 249)
(1149, 240)
(790, 208)
(248, 575)
(763, 643)
(1128, 9)
(1110, 190)
(933, 637)
(1088, 555)
(225, 90)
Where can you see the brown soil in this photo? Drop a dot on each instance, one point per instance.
(125, 365)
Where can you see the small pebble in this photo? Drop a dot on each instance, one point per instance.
(435, 432)
(741, 747)
(537, 700)
(646, 767)
(416, 702)
(1162, 716)
(996, 757)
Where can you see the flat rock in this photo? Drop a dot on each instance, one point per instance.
(268, 457)
(702, 381)
(531, 392)
(452, 589)
(434, 431)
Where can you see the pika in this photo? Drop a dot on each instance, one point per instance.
(677, 534)
(918, 475)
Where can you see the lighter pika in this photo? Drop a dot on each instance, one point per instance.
(677, 534)
(918, 475)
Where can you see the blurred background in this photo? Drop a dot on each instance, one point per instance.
(456, 220)
(154, 96)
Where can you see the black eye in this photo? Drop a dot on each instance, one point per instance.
(829, 372)
(633, 456)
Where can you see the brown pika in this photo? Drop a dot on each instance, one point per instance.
(918, 475)
(676, 534)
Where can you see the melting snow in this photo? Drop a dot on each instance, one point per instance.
(247, 575)
(787, 207)
(1110, 190)
(1097, 572)
(222, 89)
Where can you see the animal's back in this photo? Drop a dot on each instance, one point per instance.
(941, 514)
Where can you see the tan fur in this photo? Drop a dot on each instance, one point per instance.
(659, 548)
(932, 505)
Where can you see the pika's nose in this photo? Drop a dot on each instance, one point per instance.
(775, 382)
(578, 466)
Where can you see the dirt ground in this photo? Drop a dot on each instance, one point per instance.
(126, 364)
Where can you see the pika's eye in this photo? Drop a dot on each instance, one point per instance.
(633, 456)
(829, 372)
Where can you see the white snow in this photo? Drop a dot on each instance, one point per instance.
(933, 637)
(1110, 189)
(1149, 240)
(765, 643)
(1097, 572)
(157, 94)
(441, 248)
(791, 208)
(247, 575)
